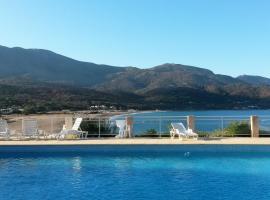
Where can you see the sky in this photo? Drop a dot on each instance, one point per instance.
(229, 37)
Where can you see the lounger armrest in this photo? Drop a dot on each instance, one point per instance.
(192, 133)
(189, 130)
(83, 131)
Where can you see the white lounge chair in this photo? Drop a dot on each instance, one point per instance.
(180, 130)
(30, 128)
(4, 130)
(75, 130)
(177, 131)
(121, 125)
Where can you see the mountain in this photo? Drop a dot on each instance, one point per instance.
(44, 65)
(254, 80)
(165, 76)
(47, 66)
(48, 81)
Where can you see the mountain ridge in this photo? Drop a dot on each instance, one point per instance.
(254, 80)
(164, 86)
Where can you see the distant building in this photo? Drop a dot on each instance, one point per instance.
(6, 111)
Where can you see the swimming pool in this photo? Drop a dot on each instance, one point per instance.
(135, 172)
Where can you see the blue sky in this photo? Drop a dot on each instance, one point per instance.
(227, 36)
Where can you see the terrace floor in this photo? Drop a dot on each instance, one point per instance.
(143, 141)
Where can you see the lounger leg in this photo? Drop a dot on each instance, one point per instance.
(7, 137)
(37, 136)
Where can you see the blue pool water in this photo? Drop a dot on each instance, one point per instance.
(137, 172)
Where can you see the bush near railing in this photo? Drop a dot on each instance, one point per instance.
(204, 134)
(148, 133)
(240, 129)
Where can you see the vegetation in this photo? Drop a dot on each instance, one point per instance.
(240, 129)
(204, 134)
(40, 99)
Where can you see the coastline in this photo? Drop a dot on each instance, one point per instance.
(113, 117)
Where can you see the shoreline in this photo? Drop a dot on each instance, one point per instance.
(113, 117)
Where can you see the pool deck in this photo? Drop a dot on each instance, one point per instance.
(143, 141)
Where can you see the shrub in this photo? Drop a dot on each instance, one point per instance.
(237, 129)
(204, 134)
(233, 129)
(149, 133)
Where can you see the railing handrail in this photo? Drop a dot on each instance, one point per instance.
(198, 116)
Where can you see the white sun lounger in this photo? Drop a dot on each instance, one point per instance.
(180, 130)
(75, 130)
(4, 130)
(121, 125)
(30, 128)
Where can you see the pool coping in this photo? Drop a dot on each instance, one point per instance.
(139, 141)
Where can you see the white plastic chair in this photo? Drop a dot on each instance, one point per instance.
(121, 125)
(4, 130)
(30, 128)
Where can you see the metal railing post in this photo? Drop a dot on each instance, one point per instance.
(99, 127)
(51, 125)
(222, 125)
(160, 126)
